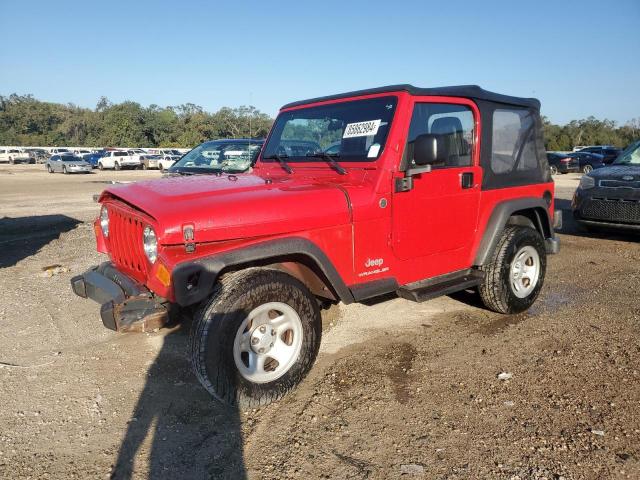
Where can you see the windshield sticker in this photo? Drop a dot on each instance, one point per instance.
(373, 150)
(361, 129)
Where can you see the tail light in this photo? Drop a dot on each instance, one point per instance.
(565, 160)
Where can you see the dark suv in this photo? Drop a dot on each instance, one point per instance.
(419, 192)
(610, 197)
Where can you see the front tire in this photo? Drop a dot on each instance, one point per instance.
(516, 271)
(553, 169)
(100, 166)
(117, 166)
(256, 338)
(64, 170)
(587, 169)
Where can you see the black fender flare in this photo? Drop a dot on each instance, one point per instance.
(194, 281)
(500, 217)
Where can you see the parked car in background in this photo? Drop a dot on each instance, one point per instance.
(58, 150)
(588, 161)
(562, 163)
(13, 155)
(117, 160)
(37, 155)
(230, 156)
(79, 152)
(167, 160)
(150, 161)
(67, 164)
(610, 197)
(93, 158)
(608, 152)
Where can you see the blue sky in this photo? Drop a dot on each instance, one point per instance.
(580, 58)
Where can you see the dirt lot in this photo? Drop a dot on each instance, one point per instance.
(401, 390)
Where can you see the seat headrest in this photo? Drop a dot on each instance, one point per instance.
(446, 125)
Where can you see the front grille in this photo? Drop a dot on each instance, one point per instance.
(619, 184)
(612, 210)
(125, 241)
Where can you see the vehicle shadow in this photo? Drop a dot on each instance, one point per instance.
(190, 434)
(22, 237)
(571, 227)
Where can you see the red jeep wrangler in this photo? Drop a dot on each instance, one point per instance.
(418, 191)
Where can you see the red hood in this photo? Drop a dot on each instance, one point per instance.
(222, 208)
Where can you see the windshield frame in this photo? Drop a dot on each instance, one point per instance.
(363, 160)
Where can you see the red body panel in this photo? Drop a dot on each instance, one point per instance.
(367, 230)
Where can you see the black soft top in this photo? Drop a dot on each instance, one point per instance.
(473, 92)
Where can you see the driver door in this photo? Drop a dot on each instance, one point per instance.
(436, 218)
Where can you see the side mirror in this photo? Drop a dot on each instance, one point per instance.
(429, 149)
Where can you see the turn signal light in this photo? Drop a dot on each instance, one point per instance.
(163, 275)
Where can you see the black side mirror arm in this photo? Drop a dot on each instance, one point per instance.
(405, 184)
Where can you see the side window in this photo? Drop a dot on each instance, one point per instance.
(513, 146)
(454, 123)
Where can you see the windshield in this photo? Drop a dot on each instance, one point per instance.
(630, 156)
(353, 131)
(218, 156)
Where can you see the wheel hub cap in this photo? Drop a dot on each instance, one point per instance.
(268, 342)
(525, 271)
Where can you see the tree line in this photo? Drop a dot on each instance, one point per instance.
(24, 120)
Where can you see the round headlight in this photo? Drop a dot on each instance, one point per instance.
(587, 182)
(150, 243)
(104, 221)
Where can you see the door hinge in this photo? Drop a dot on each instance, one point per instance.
(404, 184)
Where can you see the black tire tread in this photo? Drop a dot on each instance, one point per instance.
(230, 286)
(495, 291)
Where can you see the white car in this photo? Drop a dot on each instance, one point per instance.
(118, 159)
(13, 155)
(79, 152)
(167, 161)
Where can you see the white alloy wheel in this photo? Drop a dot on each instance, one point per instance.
(524, 271)
(268, 342)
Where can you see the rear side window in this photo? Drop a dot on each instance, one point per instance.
(513, 141)
(120, 154)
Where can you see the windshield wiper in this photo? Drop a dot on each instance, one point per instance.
(331, 158)
(281, 160)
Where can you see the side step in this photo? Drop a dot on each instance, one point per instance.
(442, 285)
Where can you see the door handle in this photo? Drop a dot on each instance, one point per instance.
(466, 180)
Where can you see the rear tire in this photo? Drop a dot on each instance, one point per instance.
(587, 169)
(64, 170)
(161, 168)
(49, 169)
(227, 334)
(117, 166)
(553, 169)
(144, 166)
(516, 271)
(100, 166)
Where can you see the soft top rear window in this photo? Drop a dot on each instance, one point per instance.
(351, 131)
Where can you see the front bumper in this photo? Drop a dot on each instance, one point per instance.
(607, 207)
(86, 169)
(126, 306)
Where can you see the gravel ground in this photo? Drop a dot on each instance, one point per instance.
(400, 390)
